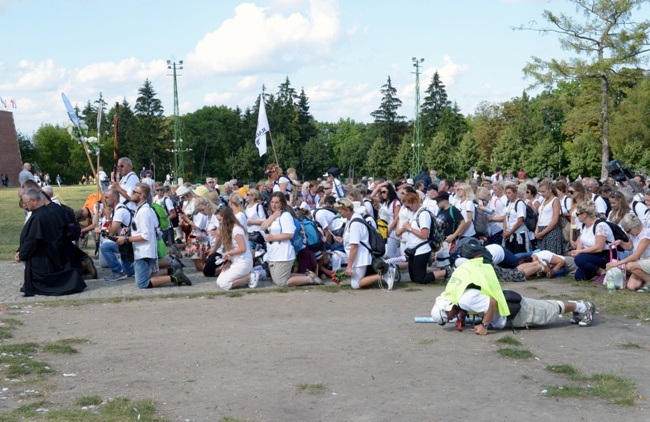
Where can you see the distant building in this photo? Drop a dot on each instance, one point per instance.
(10, 160)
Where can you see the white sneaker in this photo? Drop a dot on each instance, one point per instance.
(255, 278)
(390, 276)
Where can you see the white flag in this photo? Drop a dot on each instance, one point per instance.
(262, 128)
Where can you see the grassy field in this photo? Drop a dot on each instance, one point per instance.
(12, 217)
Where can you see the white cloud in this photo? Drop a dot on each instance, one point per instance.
(130, 69)
(36, 76)
(260, 39)
(247, 82)
(217, 98)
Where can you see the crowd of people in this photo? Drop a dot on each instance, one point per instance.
(297, 233)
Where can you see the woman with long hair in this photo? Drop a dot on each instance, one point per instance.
(620, 207)
(238, 206)
(281, 183)
(238, 261)
(548, 233)
(415, 232)
(279, 229)
(465, 204)
(255, 214)
(578, 195)
(200, 242)
(389, 211)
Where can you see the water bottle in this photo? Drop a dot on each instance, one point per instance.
(611, 283)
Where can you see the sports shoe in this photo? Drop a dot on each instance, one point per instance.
(600, 279)
(588, 316)
(313, 278)
(179, 278)
(644, 289)
(390, 276)
(575, 318)
(116, 276)
(255, 278)
(88, 266)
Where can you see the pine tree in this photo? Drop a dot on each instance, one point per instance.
(391, 125)
(435, 106)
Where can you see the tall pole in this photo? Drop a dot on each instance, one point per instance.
(417, 143)
(116, 119)
(179, 164)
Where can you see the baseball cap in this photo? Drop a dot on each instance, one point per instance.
(433, 186)
(440, 309)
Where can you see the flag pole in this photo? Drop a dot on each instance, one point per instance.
(275, 154)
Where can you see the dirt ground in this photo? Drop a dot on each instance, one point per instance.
(246, 357)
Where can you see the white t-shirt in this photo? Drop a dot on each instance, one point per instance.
(145, 222)
(404, 216)
(547, 255)
(256, 212)
(355, 234)
(514, 211)
(474, 302)
(497, 253)
(122, 215)
(566, 204)
(431, 205)
(645, 234)
(241, 217)
(588, 238)
(128, 183)
(164, 202)
(247, 254)
(212, 226)
(546, 213)
(386, 212)
(465, 207)
(328, 219)
(600, 204)
(281, 250)
(418, 222)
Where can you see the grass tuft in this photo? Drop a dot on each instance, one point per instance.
(567, 370)
(413, 289)
(509, 340)
(515, 353)
(629, 345)
(311, 388)
(89, 401)
(26, 348)
(234, 294)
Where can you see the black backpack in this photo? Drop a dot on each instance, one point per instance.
(436, 230)
(481, 220)
(376, 247)
(619, 233)
(531, 216)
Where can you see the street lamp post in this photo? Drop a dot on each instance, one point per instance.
(417, 143)
(179, 164)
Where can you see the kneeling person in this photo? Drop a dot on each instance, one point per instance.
(145, 251)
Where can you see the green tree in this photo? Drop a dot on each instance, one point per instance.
(630, 127)
(441, 155)
(466, 158)
(608, 38)
(488, 123)
(152, 140)
(435, 105)
(391, 125)
(400, 164)
(59, 154)
(379, 158)
(314, 157)
(306, 124)
(584, 151)
(28, 151)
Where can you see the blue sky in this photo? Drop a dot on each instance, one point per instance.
(341, 52)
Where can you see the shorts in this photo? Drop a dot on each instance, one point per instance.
(306, 261)
(280, 272)
(535, 312)
(645, 265)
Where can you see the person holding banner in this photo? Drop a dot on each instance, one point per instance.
(128, 180)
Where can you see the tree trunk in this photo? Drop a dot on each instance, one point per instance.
(604, 120)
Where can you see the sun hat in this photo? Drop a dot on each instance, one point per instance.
(201, 191)
(182, 191)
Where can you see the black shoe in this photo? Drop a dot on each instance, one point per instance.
(179, 278)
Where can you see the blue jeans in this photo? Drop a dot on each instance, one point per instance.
(143, 270)
(109, 249)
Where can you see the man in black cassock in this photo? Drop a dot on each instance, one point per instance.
(43, 250)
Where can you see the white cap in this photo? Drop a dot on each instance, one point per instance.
(438, 312)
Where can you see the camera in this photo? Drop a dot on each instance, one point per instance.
(618, 172)
(105, 234)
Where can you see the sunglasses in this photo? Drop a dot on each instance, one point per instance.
(159, 190)
(579, 214)
(572, 192)
(384, 192)
(138, 192)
